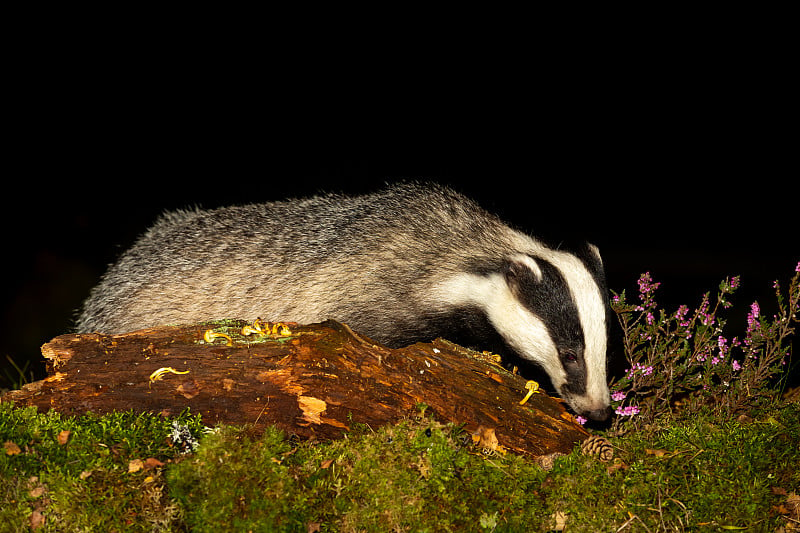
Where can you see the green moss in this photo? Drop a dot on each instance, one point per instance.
(419, 475)
(75, 470)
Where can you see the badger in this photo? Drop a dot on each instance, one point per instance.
(411, 262)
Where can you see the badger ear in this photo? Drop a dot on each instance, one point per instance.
(521, 267)
(595, 252)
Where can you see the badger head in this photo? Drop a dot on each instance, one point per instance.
(549, 307)
(553, 312)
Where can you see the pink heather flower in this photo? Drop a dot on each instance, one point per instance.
(646, 288)
(752, 321)
(630, 410)
(797, 268)
(735, 364)
(680, 315)
(650, 319)
(580, 420)
(618, 396)
(735, 282)
(646, 284)
(715, 361)
(722, 342)
(705, 317)
(639, 367)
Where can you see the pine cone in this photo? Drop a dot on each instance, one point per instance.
(598, 446)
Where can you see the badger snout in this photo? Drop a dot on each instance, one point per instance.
(599, 415)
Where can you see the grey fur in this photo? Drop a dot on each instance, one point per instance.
(378, 262)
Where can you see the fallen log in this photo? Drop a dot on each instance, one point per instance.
(313, 381)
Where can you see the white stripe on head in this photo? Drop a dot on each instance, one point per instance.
(592, 313)
(524, 331)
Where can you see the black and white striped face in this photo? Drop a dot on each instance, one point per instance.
(559, 322)
(551, 310)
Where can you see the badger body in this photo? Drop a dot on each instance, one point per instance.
(408, 263)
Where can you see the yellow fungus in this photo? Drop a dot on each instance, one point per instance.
(159, 374)
(209, 336)
(532, 387)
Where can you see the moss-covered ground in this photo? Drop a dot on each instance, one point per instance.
(127, 472)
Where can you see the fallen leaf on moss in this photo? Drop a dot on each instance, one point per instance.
(135, 465)
(617, 464)
(11, 448)
(486, 439)
(63, 437)
(559, 521)
(657, 453)
(151, 463)
(37, 519)
(793, 505)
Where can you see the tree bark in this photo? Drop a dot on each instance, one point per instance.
(314, 382)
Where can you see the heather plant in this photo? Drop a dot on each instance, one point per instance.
(684, 360)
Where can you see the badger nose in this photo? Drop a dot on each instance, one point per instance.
(600, 415)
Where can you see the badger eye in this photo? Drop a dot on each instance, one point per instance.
(568, 356)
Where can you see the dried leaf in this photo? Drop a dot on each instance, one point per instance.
(63, 437)
(657, 453)
(37, 520)
(135, 465)
(314, 527)
(85, 474)
(487, 439)
(617, 464)
(559, 521)
(793, 505)
(11, 448)
(326, 463)
(151, 463)
(36, 491)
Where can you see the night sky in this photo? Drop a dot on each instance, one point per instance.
(690, 203)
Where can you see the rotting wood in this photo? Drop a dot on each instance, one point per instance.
(313, 383)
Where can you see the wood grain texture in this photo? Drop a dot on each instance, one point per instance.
(314, 383)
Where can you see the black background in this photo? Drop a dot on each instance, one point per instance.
(685, 169)
(689, 229)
